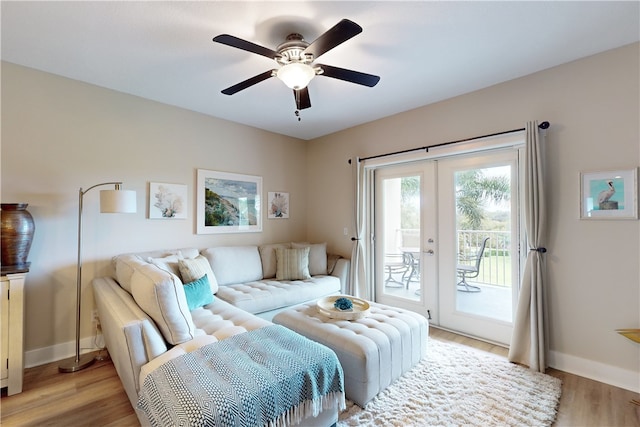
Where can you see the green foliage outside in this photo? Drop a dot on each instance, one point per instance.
(410, 199)
(474, 190)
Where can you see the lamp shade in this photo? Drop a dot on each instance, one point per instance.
(117, 201)
(296, 75)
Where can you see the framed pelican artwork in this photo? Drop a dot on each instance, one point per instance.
(609, 194)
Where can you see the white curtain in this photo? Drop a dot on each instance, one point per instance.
(357, 280)
(529, 344)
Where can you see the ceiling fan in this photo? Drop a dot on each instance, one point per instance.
(296, 60)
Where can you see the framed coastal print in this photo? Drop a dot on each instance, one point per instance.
(277, 205)
(167, 201)
(609, 194)
(228, 202)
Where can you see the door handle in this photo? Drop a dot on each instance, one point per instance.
(429, 252)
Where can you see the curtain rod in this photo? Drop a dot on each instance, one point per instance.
(543, 125)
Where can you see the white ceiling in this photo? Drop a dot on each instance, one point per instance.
(424, 51)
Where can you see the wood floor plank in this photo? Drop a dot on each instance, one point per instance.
(94, 397)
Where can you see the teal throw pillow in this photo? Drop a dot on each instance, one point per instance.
(198, 293)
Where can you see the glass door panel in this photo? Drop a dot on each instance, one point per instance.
(479, 266)
(483, 235)
(405, 214)
(400, 237)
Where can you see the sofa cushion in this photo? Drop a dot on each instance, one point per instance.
(125, 266)
(193, 269)
(234, 264)
(292, 264)
(317, 257)
(266, 295)
(222, 320)
(161, 295)
(268, 257)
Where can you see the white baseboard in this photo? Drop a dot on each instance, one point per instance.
(54, 353)
(612, 375)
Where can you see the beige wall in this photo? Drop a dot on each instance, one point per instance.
(593, 107)
(59, 135)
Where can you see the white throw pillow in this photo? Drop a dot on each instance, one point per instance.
(317, 257)
(193, 269)
(168, 263)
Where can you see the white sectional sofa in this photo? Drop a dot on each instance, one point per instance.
(146, 319)
(247, 277)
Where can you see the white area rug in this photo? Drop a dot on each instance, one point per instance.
(455, 386)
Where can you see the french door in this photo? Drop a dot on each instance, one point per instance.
(446, 241)
(479, 258)
(405, 235)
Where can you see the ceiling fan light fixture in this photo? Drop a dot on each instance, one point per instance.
(296, 75)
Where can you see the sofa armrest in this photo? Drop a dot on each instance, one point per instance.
(341, 271)
(132, 338)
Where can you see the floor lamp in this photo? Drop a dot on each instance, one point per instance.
(111, 201)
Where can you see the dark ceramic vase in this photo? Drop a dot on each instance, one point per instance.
(16, 235)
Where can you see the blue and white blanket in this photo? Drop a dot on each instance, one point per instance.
(270, 376)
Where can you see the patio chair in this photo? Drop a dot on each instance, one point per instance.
(471, 270)
(394, 264)
(413, 268)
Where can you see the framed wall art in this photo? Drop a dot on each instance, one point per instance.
(277, 205)
(228, 202)
(609, 194)
(167, 201)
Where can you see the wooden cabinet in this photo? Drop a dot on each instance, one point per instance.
(12, 331)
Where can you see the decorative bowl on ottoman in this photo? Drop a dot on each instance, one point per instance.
(331, 306)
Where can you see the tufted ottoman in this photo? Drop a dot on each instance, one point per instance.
(374, 351)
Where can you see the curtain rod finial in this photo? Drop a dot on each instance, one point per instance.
(544, 125)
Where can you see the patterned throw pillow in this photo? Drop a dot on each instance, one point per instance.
(192, 269)
(292, 264)
(198, 293)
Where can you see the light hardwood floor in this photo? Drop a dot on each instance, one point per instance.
(94, 397)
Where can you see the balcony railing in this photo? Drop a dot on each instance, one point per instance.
(495, 268)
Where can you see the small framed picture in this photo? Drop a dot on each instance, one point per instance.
(228, 203)
(609, 194)
(278, 205)
(167, 201)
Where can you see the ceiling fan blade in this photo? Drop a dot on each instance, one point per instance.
(247, 83)
(245, 45)
(349, 75)
(339, 33)
(302, 98)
